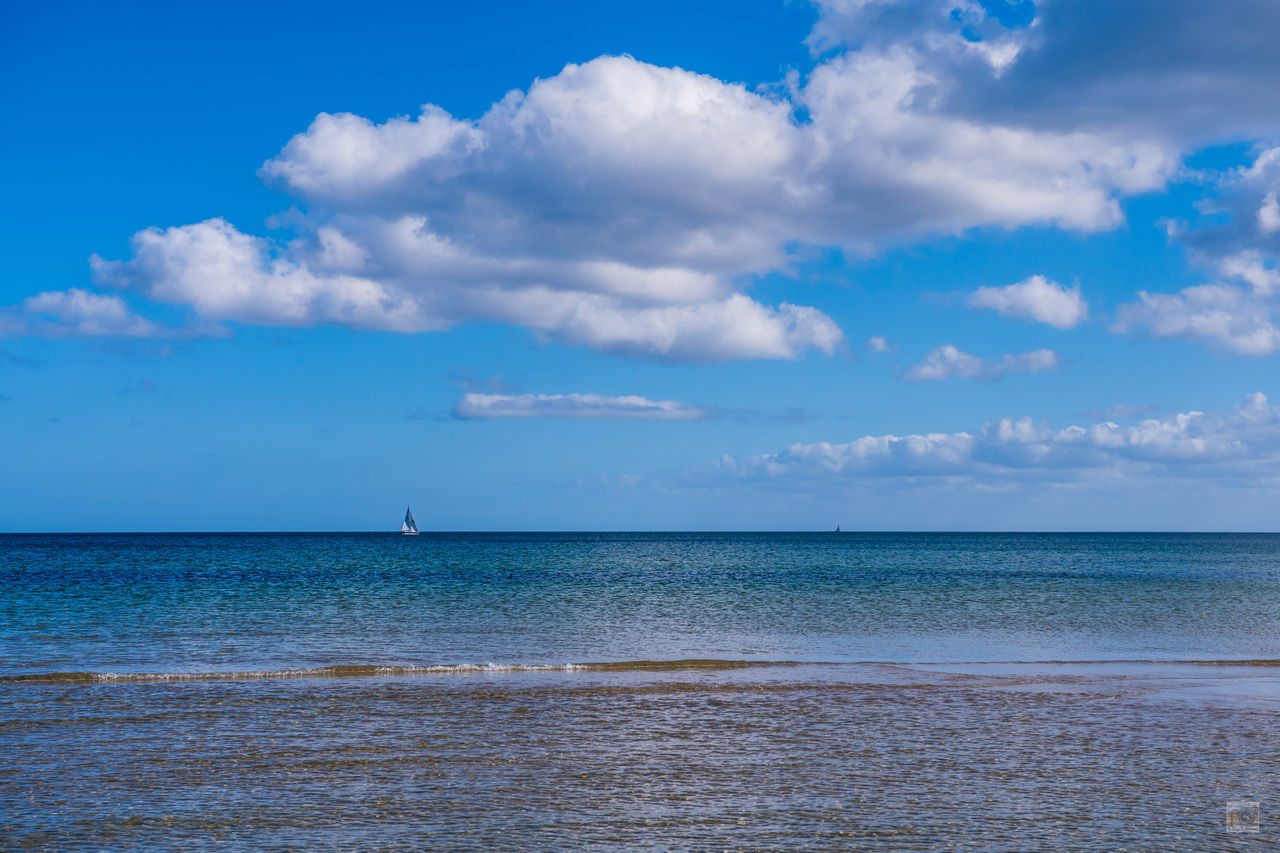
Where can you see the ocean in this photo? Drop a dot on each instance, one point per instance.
(639, 691)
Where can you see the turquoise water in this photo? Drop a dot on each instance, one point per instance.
(637, 691)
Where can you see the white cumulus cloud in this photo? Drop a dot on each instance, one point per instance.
(1239, 233)
(227, 275)
(949, 362)
(1036, 298)
(1244, 443)
(1239, 239)
(625, 206)
(1269, 214)
(1252, 268)
(1223, 314)
(75, 313)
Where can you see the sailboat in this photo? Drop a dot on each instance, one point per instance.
(410, 527)
(837, 528)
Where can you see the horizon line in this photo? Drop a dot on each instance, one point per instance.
(602, 531)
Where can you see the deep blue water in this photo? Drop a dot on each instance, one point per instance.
(626, 692)
(193, 603)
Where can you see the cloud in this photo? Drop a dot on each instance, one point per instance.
(664, 167)
(1222, 314)
(1092, 64)
(1239, 231)
(1235, 237)
(1243, 444)
(1269, 214)
(893, 165)
(75, 313)
(475, 406)
(227, 275)
(877, 344)
(947, 362)
(1098, 67)
(1036, 298)
(944, 362)
(1250, 267)
(625, 206)
(1030, 362)
(224, 274)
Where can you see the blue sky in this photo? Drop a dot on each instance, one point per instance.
(892, 264)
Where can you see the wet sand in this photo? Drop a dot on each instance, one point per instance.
(1086, 756)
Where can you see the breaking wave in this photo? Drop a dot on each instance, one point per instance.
(371, 671)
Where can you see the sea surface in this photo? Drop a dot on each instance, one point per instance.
(639, 691)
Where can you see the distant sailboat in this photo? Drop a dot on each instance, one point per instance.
(837, 528)
(410, 527)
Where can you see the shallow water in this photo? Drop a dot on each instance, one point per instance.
(622, 692)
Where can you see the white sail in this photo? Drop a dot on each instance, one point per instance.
(410, 526)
